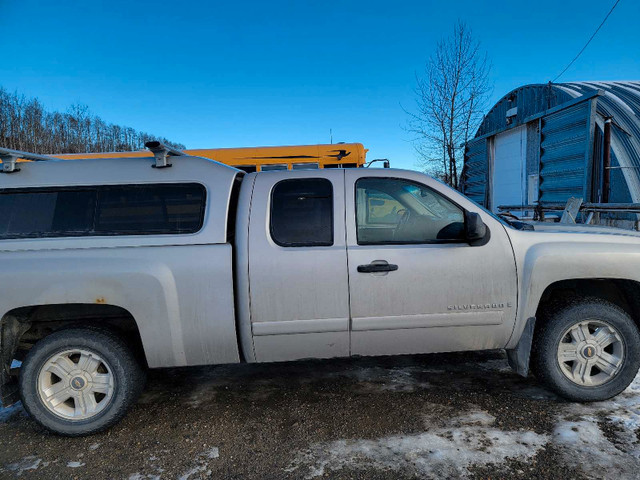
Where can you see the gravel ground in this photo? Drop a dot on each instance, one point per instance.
(432, 416)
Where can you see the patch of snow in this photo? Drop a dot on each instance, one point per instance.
(583, 443)
(202, 461)
(139, 476)
(193, 471)
(440, 452)
(477, 417)
(75, 464)
(24, 465)
(213, 453)
(95, 446)
(585, 447)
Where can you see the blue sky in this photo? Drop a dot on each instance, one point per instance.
(225, 74)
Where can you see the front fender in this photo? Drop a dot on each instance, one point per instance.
(545, 263)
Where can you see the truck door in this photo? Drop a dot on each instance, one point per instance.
(416, 285)
(299, 293)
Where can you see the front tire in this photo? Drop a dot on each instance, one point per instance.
(587, 350)
(79, 381)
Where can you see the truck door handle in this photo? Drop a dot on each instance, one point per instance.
(377, 266)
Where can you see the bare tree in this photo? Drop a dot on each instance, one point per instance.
(451, 97)
(26, 125)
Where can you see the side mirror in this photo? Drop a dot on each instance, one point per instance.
(475, 230)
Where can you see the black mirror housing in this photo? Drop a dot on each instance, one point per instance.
(475, 230)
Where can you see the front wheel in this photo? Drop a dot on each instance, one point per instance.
(588, 350)
(79, 381)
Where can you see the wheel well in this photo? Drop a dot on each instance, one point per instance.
(623, 293)
(30, 324)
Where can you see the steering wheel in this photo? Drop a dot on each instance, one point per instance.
(405, 215)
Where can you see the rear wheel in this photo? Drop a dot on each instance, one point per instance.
(79, 381)
(588, 350)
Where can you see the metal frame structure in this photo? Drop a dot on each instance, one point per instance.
(9, 157)
(590, 208)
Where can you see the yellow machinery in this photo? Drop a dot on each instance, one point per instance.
(251, 159)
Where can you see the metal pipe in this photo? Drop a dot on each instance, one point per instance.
(588, 207)
(606, 160)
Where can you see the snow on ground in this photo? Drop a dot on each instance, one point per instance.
(139, 476)
(25, 465)
(601, 440)
(605, 436)
(201, 467)
(470, 439)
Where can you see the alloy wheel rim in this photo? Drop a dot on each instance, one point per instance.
(76, 384)
(591, 353)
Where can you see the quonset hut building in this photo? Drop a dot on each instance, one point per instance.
(542, 144)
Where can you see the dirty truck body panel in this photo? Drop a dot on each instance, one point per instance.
(299, 295)
(443, 296)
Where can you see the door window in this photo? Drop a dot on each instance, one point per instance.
(397, 211)
(302, 212)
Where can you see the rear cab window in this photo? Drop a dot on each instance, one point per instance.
(302, 213)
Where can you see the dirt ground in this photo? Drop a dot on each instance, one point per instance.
(432, 416)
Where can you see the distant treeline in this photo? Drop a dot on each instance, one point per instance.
(26, 125)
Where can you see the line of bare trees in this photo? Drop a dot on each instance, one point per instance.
(451, 97)
(26, 125)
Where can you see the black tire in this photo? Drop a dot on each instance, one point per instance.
(553, 325)
(128, 379)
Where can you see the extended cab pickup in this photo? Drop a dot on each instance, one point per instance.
(110, 266)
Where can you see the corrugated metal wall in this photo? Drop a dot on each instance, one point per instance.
(561, 139)
(565, 151)
(475, 179)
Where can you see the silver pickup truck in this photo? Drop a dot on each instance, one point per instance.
(109, 267)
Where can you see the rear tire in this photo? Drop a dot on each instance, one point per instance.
(586, 350)
(80, 381)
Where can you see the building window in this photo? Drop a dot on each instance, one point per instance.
(102, 210)
(302, 213)
(396, 211)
